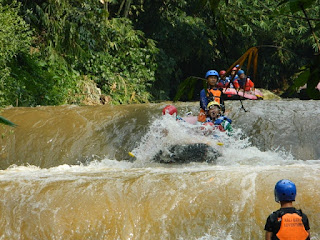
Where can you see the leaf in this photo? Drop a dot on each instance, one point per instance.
(295, 5)
(7, 122)
(302, 79)
(187, 85)
(314, 79)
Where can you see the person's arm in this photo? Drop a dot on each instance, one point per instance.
(203, 99)
(269, 227)
(251, 84)
(236, 84)
(268, 235)
(305, 221)
(309, 237)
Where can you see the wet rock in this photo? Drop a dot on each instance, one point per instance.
(186, 153)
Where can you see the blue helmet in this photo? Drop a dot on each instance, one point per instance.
(212, 73)
(240, 72)
(285, 190)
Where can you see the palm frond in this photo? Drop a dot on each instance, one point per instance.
(7, 122)
(187, 86)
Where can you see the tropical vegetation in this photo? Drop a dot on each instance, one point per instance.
(141, 50)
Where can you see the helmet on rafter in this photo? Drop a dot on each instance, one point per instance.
(213, 103)
(169, 109)
(212, 73)
(285, 190)
(222, 73)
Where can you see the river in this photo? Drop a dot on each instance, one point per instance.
(66, 173)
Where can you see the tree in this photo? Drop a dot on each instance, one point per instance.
(15, 39)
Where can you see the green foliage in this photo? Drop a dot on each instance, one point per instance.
(15, 35)
(310, 73)
(78, 33)
(139, 50)
(188, 85)
(188, 46)
(15, 39)
(295, 5)
(126, 70)
(5, 121)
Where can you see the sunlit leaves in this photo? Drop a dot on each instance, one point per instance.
(15, 35)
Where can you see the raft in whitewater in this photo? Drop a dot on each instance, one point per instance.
(187, 153)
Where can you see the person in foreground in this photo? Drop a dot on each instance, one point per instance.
(287, 223)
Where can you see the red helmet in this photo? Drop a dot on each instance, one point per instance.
(222, 73)
(169, 109)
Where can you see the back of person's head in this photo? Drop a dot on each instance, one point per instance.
(285, 191)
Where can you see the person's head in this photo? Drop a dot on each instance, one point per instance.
(212, 77)
(169, 109)
(214, 110)
(241, 74)
(222, 74)
(285, 191)
(233, 71)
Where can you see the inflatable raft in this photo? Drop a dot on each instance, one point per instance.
(233, 94)
(192, 152)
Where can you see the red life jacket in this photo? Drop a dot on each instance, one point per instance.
(247, 85)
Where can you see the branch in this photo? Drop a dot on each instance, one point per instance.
(304, 18)
(311, 28)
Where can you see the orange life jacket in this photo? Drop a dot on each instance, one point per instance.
(216, 95)
(292, 228)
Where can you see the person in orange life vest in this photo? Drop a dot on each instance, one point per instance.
(243, 82)
(224, 81)
(212, 93)
(287, 222)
